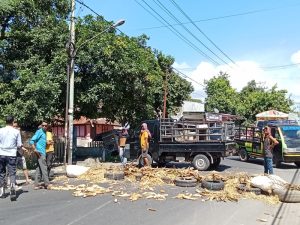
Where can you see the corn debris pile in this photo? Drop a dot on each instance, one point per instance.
(148, 183)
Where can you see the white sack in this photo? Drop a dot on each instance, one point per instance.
(262, 182)
(75, 170)
(278, 182)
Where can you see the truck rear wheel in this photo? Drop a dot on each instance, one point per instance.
(243, 155)
(201, 162)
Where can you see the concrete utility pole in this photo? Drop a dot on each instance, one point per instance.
(72, 51)
(71, 82)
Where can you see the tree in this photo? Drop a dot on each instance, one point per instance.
(220, 94)
(256, 98)
(251, 100)
(116, 76)
(33, 59)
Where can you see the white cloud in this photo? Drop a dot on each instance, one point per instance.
(295, 58)
(243, 72)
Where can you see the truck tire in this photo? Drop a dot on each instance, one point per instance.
(141, 161)
(292, 196)
(243, 155)
(185, 182)
(297, 164)
(216, 163)
(213, 185)
(201, 162)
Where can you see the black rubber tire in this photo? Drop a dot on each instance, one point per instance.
(297, 164)
(114, 175)
(244, 157)
(292, 196)
(185, 182)
(216, 163)
(141, 161)
(201, 162)
(216, 185)
(243, 188)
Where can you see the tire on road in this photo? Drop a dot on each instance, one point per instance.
(185, 182)
(141, 161)
(291, 196)
(213, 185)
(244, 157)
(201, 162)
(244, 188)
(114, 175)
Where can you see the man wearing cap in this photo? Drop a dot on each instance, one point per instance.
(10, 141)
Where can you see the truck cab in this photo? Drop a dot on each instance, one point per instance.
(250, 143)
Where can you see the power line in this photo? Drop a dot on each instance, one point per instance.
(180, 9)
(278, 67)
(157, 2)
(219, 17)
(174, 31)
(88, 7)
(188, 77)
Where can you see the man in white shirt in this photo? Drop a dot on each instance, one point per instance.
(10, 140)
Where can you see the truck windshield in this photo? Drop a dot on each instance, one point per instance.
(291, 136)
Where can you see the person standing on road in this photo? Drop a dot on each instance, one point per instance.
(21, 161)
(145, 135)
(268, 146)
(122, 142)
(10, 141)
(49, 149)
(38, 142)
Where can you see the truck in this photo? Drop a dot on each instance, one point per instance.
(203, 143)
(250, 142)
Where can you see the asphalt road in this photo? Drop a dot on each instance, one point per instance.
(61, 208)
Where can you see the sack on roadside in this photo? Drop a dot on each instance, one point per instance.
(75, 170)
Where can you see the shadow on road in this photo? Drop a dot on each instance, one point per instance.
(261, 162)
(181, 165)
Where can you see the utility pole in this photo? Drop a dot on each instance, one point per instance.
(72, 51)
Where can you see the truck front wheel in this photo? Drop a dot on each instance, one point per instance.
(243, 155)
(201, 162)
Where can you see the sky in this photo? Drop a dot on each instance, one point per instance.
(249, 40)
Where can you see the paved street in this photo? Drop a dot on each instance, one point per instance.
(61, 208)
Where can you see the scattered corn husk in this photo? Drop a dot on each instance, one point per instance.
(149, 178)
(186, 196)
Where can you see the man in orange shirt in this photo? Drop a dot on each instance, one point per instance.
(144, 141)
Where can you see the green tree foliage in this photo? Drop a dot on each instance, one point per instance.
(251, 100)
(116, 76)
(220, 94)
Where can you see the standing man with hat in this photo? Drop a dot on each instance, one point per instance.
(10, 141)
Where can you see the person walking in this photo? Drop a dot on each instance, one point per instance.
(268, 146)
(49, 149)
(38, 143)
(21, 161)
(122, 143)
(145, 135)
(10, 141)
